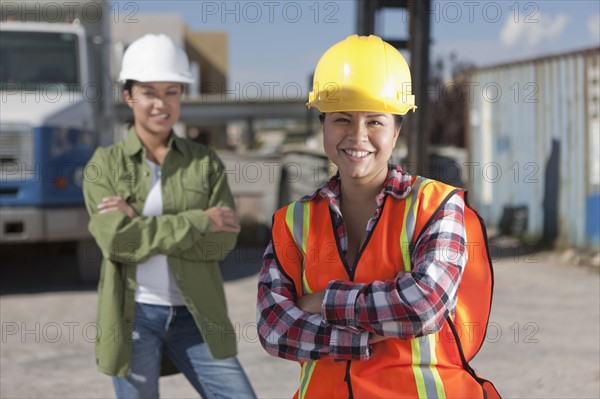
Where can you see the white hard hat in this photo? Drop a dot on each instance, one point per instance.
(155, 58)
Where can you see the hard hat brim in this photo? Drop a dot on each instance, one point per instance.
(350, 101)
(163, 77)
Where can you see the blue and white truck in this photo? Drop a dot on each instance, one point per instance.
(56, 108)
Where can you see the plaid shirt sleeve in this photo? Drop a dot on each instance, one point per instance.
(415, 303)
(288, 332)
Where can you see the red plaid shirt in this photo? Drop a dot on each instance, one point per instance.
(412, 305)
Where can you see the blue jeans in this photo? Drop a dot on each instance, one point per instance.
(172, 330)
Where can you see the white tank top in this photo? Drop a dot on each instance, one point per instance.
(155, 283)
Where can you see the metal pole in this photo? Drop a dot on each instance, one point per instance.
(418, 138)
(365, 16)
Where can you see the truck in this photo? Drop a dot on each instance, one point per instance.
(57, 107)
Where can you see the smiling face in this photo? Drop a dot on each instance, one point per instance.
(156, 106)
(360, 143)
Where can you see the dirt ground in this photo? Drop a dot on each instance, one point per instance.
(542, 341)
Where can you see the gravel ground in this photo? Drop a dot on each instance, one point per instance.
(542, 342)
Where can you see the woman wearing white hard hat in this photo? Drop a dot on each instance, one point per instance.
(368, 281)
(163, 214)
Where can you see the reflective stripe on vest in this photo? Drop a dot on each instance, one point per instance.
(410, 219)
(305, 375)
(297, 218)
(427, 378)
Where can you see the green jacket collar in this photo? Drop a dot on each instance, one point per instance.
(133, 144)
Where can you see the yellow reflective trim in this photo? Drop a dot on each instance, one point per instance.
(289, 217)
(404, 244)
(305, 284)
(414, 210)
(439, 385)
(305, 376)
(410, 211)
(416, 366)
(304, 245)
(424, 361)
(305, 225)
(427, 377)
(292, 219)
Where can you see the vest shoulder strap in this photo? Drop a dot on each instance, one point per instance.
(423, 201)
(297, 219)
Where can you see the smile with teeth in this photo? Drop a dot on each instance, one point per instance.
(161, 116)
(357, 154)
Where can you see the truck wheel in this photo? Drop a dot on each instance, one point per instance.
(89, 259)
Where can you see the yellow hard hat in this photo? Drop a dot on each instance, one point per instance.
(362, 73)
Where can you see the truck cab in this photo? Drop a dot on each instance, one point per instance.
(57, 108)
(46, 132)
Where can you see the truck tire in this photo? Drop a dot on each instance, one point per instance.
(89, 259)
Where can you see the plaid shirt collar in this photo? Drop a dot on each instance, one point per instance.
(397, 184)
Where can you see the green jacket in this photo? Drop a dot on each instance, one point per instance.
(192, 179)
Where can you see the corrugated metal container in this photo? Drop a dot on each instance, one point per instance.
(534, 144)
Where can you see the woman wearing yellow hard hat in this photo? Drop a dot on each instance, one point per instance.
(370, 283)
(163, 214)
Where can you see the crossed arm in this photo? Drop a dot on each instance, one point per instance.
(126, 237)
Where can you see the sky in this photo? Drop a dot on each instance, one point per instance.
(276, 44)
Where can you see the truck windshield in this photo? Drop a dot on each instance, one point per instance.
(38, 61)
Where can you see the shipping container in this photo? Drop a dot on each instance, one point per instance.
(534, 147)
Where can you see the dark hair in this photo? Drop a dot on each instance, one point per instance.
(398, 120)
(128, 86)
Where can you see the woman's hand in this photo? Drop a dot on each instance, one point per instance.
(312, 303)
(116, 203)
(374, 338)
(223, 219)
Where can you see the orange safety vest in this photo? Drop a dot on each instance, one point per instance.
(433, 366)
